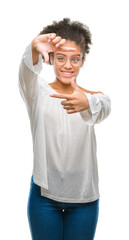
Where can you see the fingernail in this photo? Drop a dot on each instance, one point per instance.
(57, 45)
(49, 40)
(51, 95)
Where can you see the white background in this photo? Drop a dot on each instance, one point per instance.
(106, 69)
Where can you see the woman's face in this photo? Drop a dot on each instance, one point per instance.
(67, 64)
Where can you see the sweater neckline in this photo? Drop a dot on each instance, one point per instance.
(52, 89)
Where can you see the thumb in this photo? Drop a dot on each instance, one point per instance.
(73, 84)
(46, 56)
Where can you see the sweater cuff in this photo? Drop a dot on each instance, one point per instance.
(27, 57)
(90, 113)
(94, 100)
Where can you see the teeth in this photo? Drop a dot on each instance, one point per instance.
(67, 73)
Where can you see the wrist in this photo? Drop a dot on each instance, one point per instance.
(34, 46)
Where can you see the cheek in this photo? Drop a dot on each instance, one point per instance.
(56, 70)
(77, 69)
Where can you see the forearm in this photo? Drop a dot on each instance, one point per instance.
(28, 74)
(35, 54)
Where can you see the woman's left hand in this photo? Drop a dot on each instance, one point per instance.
(76, 102)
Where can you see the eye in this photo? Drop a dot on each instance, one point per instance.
(75, 60)
(61, 59)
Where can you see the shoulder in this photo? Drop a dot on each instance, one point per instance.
(88, 91)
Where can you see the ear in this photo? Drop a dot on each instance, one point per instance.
(83, 61)
(51, 59)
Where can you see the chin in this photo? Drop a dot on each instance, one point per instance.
(68, 81)
(65, 80)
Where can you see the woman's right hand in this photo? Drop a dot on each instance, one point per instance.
(46, 43)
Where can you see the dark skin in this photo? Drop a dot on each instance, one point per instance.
(65, 85)
(76, 101)
(43, 44)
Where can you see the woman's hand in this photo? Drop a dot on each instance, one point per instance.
(46, 43)
(76, 102)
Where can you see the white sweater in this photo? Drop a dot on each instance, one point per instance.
(64, 145)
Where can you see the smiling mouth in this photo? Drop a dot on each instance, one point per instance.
(67, 73)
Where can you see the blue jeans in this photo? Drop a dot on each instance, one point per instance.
(53, 220)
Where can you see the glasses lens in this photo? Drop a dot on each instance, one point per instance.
(61, 60)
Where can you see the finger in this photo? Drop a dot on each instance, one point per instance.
(70, 103)
(46, 57)
(61, 96)
(67, 49)
(56, 40)
(62, 41)
(71, 111)
(68, 107)
(51, 36)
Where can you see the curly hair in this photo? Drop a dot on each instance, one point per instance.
(71, 30)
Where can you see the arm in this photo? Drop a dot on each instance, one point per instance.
(100, 108)
(35, 54)
(28, 74)
(31, 63)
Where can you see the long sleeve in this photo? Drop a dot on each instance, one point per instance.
(28, 75)
(100, 108)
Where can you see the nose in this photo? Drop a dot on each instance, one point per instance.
(67, 64)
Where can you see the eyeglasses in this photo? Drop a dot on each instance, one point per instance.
(61, 60)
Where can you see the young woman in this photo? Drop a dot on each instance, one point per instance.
(63, 202)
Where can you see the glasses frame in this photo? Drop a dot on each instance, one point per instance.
(61, 63)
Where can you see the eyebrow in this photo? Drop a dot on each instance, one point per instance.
(65, 55)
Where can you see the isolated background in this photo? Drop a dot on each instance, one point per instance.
(106, 69)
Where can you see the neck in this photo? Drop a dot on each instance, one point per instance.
(61, 85)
